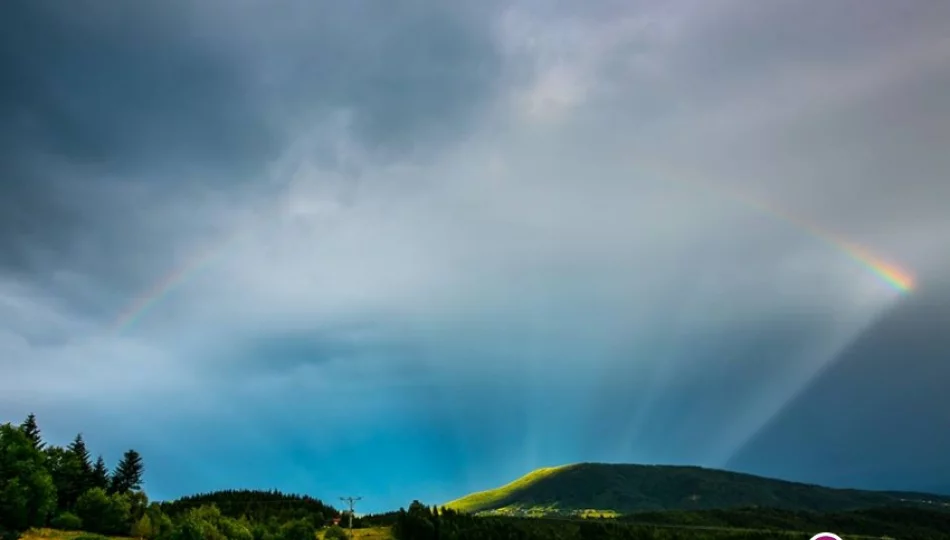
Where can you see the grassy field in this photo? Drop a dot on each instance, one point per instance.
(375, 533)
(54, 534)
(371, 533)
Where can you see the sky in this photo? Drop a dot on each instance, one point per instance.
(408, 250)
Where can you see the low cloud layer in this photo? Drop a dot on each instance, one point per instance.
(470, 241)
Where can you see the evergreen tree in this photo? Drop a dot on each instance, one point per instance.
(68, 476)
(78, 448)
(32, 431)
(27, 494)
(100, 474)
(80, 474)
(128, 473)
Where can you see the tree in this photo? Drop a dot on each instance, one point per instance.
(82, 476)
(27, 494)
(64, 469)
(138, 503)
(32, 431)
(100, 474)
(103, 513)
(160, 522)
(299, 529)
(234, 529)
(128, 473)
(78, 448)
(66, 521)
(143, 528)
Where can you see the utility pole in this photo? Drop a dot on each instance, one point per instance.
(351, 501)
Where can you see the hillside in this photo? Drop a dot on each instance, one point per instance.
(611, 489)
(256, 505)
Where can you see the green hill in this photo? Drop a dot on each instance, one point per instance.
(612, 489)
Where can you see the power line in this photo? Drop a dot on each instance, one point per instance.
(351, 501)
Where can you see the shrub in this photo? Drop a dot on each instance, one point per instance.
(335, 533)
(143, 528)
(234, 529)
(66, 521)
(300, 529)
(102, 513)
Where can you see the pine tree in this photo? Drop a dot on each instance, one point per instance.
(100, 474)
(32, 431)
(78, 448)
(128, 473)
(71, 469)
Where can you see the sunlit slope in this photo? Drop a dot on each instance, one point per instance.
(494, 499)
(609, 489)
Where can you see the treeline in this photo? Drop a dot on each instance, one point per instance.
(899, 522)
(63, 487)
(271, 507)
(420, 522)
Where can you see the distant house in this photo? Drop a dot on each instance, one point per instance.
(336, 520)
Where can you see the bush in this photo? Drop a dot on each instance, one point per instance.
(234, 529)
(300, 529)
(66, 521)
(102, 513)
(161, 524)
(194, 528)
(143, 528)
(91, 537)
(335, 533)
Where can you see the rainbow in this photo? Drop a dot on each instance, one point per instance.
(892, 275)
(142, 303)
(898, 279)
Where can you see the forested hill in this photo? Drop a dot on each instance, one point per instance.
(256, 505)
(587, 488)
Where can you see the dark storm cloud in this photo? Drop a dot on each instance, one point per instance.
(175, 95)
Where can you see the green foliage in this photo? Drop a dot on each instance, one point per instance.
(32, 431)
(128, 473)
(335, 533)
(161, 525)
(257, 506)
(193, 528)
(100, 474)
(104, 513)
(235, 529)
(138, 502)
(421, 523)
(27, 493)
(298, 529)
(207, 523)
(143, 528)
(68, 474)
(79, 450)
(892, 521)
(66, 521)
